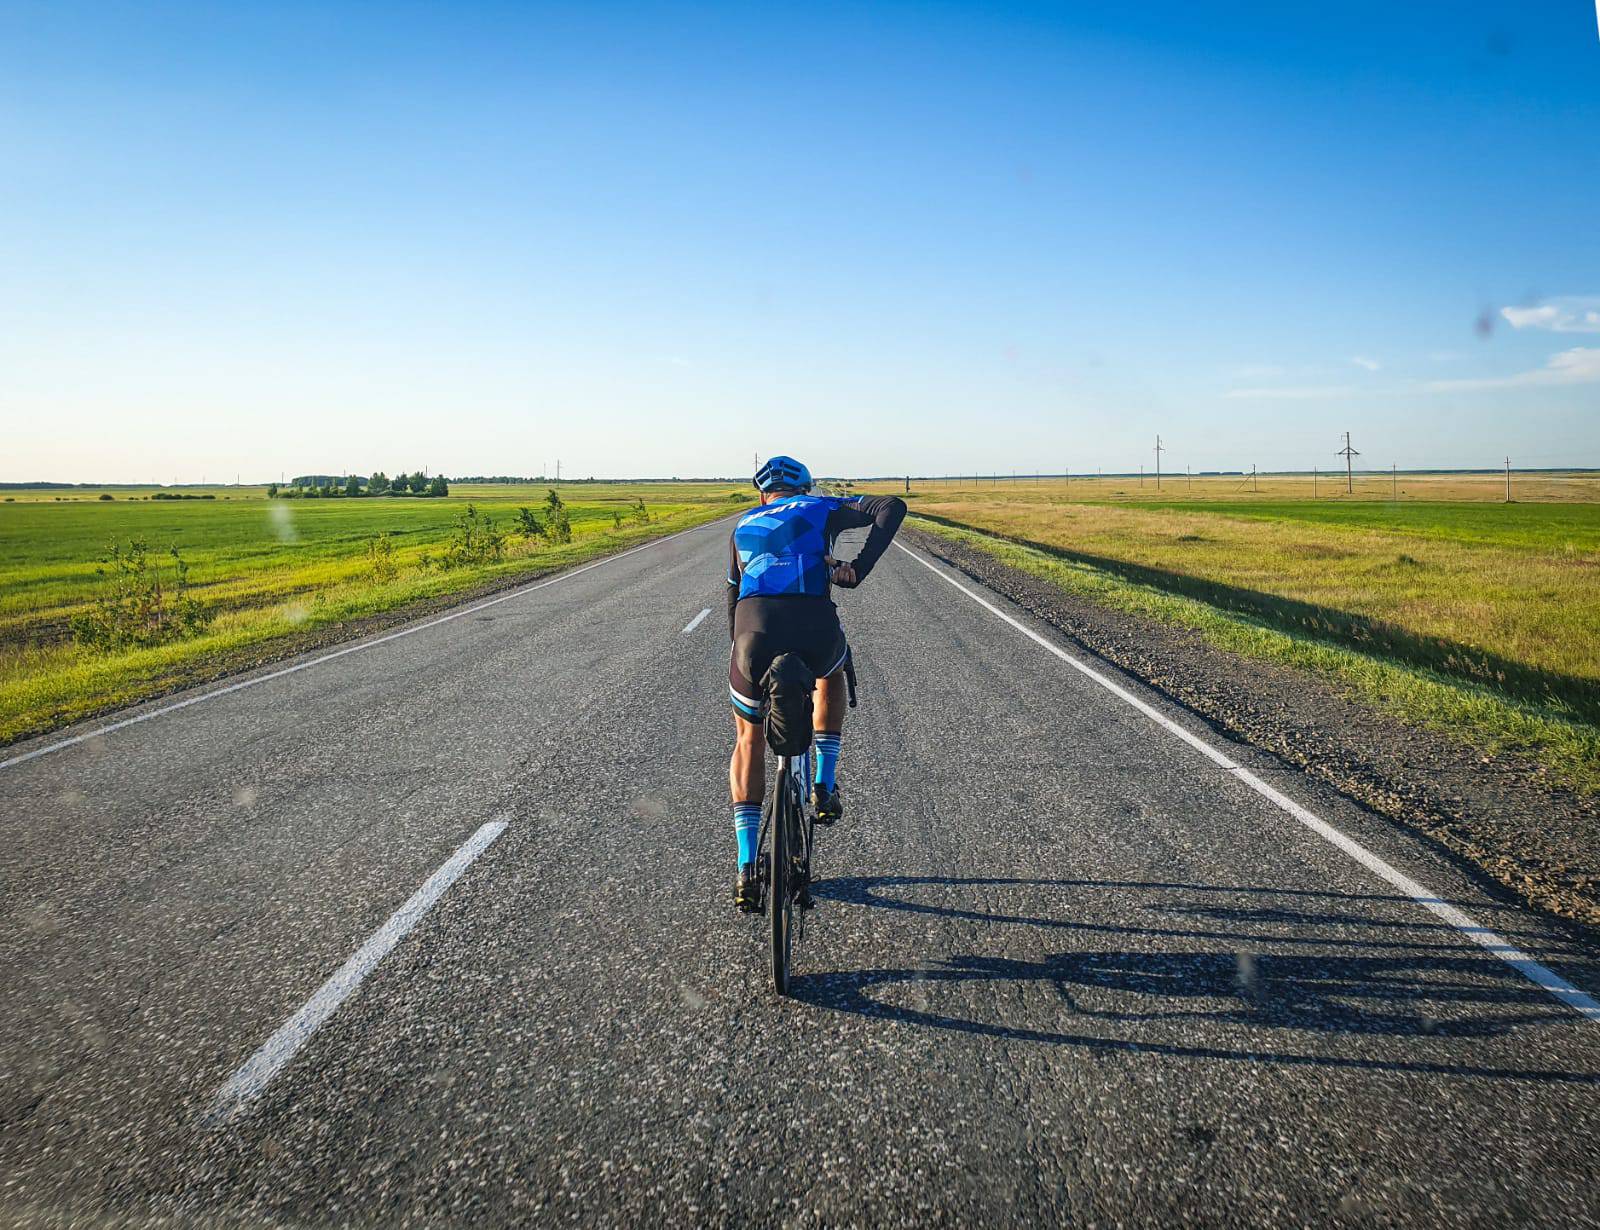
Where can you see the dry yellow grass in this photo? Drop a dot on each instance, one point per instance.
(1507, 595)
(1540, 488)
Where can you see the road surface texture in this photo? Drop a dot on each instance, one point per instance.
(438, 930)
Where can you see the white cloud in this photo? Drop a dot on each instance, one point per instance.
(1530, 318)
(1371, 365)
(1574, 314)
(1303, 392)
(1580, 365)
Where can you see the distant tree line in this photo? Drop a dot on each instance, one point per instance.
(497, 478)
(355, 486)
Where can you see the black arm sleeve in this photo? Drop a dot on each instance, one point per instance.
(735, 574)
(883, 513)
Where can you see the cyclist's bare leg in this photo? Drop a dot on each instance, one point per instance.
(747, 771)
(828, 712)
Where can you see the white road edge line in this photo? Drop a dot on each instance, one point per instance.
(1547, 979)
(695, 622)
(356, 647)
(252, 1076)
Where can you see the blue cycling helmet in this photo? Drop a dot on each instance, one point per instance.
(783, 471)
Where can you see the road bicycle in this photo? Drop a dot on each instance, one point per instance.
(787, 848)
(787, 843)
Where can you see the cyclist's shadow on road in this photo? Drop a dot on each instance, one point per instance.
(1128, 1000)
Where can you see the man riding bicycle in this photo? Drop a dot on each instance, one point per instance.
(780, 570)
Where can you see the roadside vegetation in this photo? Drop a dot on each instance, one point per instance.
(138, 606)
(1502, 595)
(106, 602)
(1434, 617)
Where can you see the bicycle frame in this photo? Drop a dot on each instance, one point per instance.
(799, 768)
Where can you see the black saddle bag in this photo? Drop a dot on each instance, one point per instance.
(789, 686)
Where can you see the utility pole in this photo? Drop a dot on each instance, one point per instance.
(1313, 482)
(1508, 480)
(1347, 453)
(1141, 474)
(1188, 478)
(1394, 482)
(1254, 486)
(1159, 451)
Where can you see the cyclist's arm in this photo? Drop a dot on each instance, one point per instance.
(883, 513)
(735, 575)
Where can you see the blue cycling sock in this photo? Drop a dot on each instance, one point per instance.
(828, 759)
(747, 828)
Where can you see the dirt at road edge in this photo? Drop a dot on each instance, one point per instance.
(1500, 814)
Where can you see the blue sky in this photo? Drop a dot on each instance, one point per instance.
(654, 239)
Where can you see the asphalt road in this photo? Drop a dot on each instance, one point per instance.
(1065, 967)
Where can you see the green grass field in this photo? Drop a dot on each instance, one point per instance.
(271, 571)
(1562, 528)
(1497, 601)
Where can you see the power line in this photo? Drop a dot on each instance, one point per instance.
(1349, 474)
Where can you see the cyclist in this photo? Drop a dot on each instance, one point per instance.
(780, 570)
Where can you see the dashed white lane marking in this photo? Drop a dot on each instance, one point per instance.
(357, 647)
(695, 622)
(1530, 969)
(279, 1049)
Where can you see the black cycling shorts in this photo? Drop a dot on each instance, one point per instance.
(765, 627)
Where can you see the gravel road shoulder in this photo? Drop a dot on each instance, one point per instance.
(1499, 814)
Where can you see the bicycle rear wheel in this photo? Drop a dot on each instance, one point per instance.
(780, 855)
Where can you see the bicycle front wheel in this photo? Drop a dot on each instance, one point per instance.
(780, 853)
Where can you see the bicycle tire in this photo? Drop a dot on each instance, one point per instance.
(781, 899)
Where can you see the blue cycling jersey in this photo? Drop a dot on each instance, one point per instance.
(782, 546)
